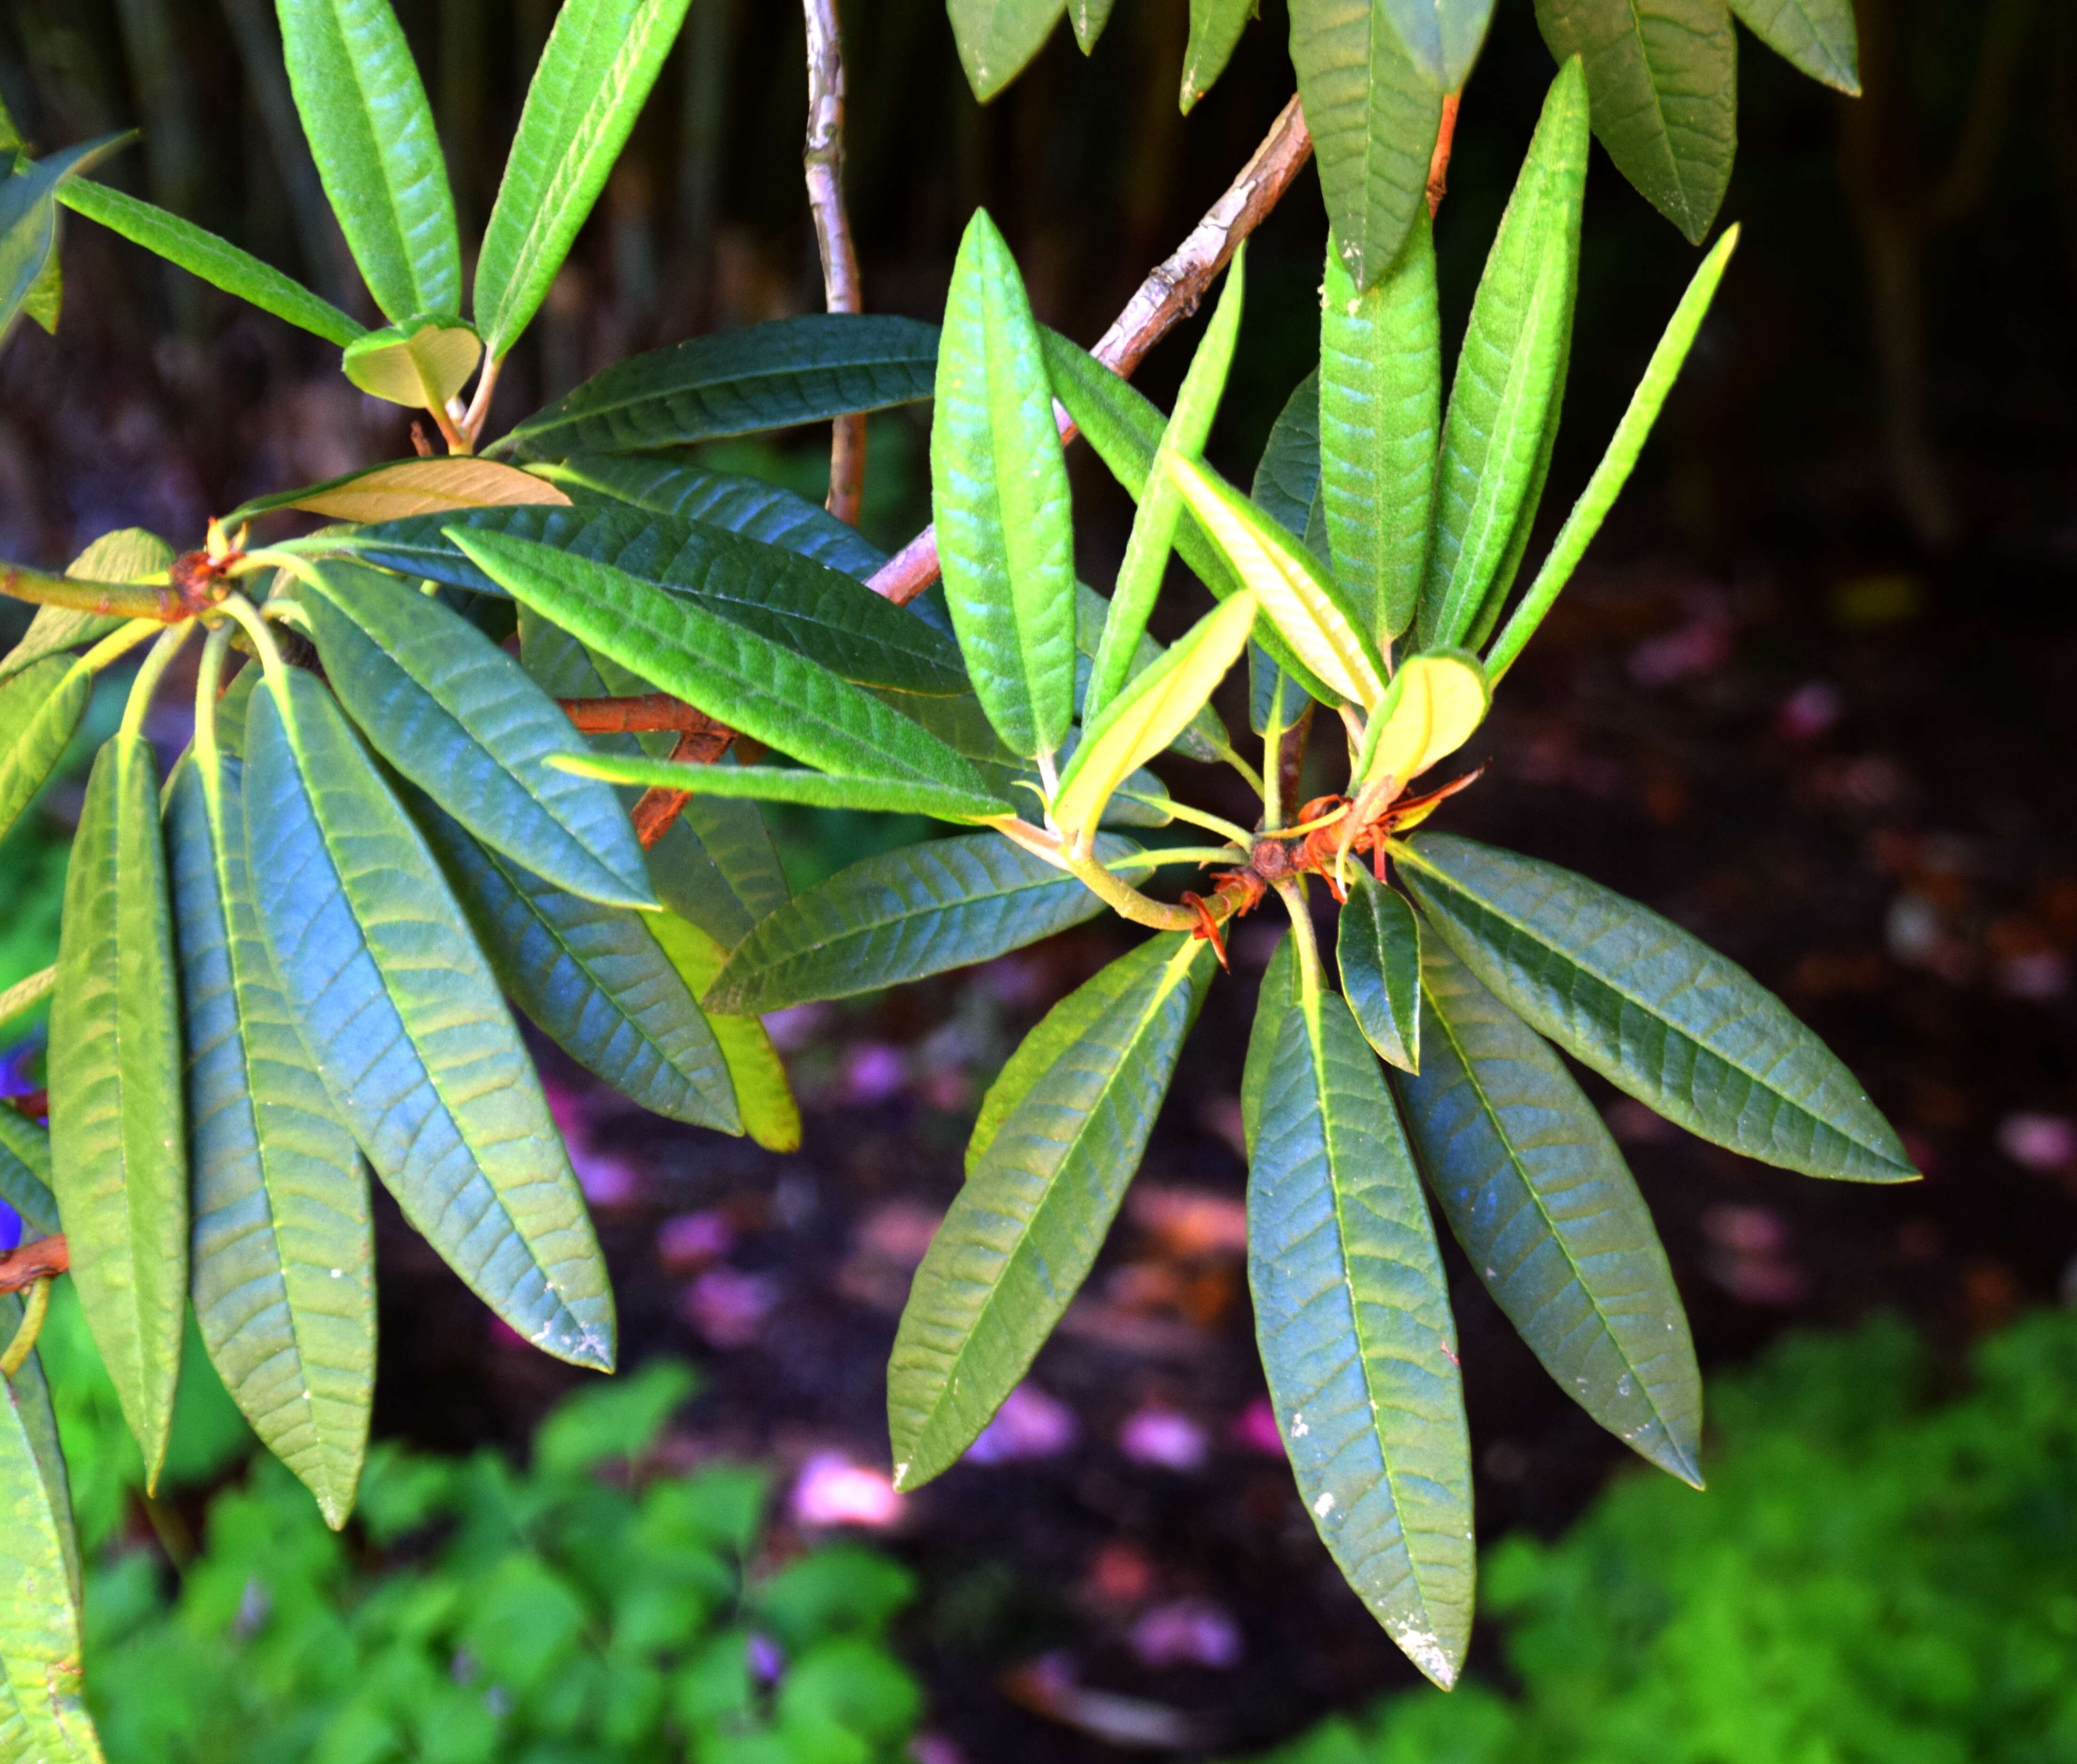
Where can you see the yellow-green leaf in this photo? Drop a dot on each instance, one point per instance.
(421, 363)
(1435, 704)
(403, 488)
(762, 1096)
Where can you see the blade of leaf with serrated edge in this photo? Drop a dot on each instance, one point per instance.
(118, 1139)
(1352, 1316)
(1539, 1197)
(901, 915)
(408, 1027)
(1023, 1233)
(25, 1172)
(601, 59)
(40, 707)
(1817, 37)
(284, 1271)
(995, 37)
(999, 489)
(1685, 1031)
(459, 718)
(770, 1115)
(1377, 947)
(788, 783)
(371, 132)
(775, 697)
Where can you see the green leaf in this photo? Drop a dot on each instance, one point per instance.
(601, 59)
(999, 490)
(284, 1274)
(419, 363)
(774, 376)
(1151, 713)
(1380, 424)
(25, 1172)
(717, 867)
(1613, 472)
(1377, 947)
(1274, 1000)
(789, 784)
(1375, 115)
(1684, 1030)
(128, 555)
(40, 709)
(399, 489)
(1510, 379)
(1352, 1316)
(44, 303)
(770, 1115)
(750, 683)
(1443, 37)
(371, 132)
(29, 219)
(118, 1138)
(1088, 18)
(901, 915)
(1287, 476)
(995, 37)
(593, 976)
(1215, 29)
(407, 1026)
(1204, 738)
(1435, 705)
(459, 718)
(1816, 36)
(1546, 1209)
(1022, 1233)
(216, 261)
(1664, 78)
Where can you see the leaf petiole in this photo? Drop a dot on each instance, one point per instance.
(24, 1343)
(1292, 893)
(149, 673)
(255, 627)
(1179, 854)
(1196, 817)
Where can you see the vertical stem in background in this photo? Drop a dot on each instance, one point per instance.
(822, 160)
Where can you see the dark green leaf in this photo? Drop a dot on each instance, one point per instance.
(407, 1026)
(735, 382)
(40, 709)
(1286, 477)
(770, 1115)
(118, 1138)
(1215, 29)
(1378, 950)
(717, 867)
(996, 37)
(1664, 79)
(1542, 1202)
(901, 915)
(29, 220)
(1022, 1233)
(1682, 1029)
(1816, 36)
(793, 784)
(25, 1172)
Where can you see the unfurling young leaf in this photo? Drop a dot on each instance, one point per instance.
(1377, 947)
(764, 1098)
(1432, 707)
(1215, 29)
(419, 363)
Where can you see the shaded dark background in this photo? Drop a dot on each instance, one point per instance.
(1811, 694)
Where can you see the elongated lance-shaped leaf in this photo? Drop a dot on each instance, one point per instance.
(594, 978)
(1215, 29)
(825, 616)
(118, 1135)
(1023, 1233)
(1204, 736)
(1817, 37)
(1374, 113)
(284, 1251)
(995, 37)
(774, 376)
(1380, 418)
(791, 783)
(25, 1172)
(128, 555)
(1510, 379)
(1545, 1208)
(1663, 75)
(781, 699)
(718, 868)
(1377, 947)
(999, 489)
(672, 483)
(1685, 1031)
(1310, 613)
(765, 1099)
(216, 261)
(407, 1026)
(1613, 472)
(602, 58)
(459, 718)
(1435, 705)
(398, 489)
(1152, 535)
(40, 709)
(1152, 712)
(1287, 476)
(371, 132)
(1352, 1316)
(29, 225)
(901, 915)
(1443, 37)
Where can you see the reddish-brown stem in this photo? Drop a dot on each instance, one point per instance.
(822, 160)
(645, 713)
(33, 1261)
(657, 807)
(1438, 162)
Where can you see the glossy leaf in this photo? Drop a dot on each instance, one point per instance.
(1685, 1030)
(901, 915)
(1539, 1197)
(284, 1252)
(601, 59)
(995, 37)
(25, 1172)
(216, 261)
(774, 376)
(1435, 705)
(1203, 738)
(118, 1138)
(1215, 29)
(1377, 948)
(594, 978)
(1352, 1316)
(765, 1099)
(1379, 425)
(407, 1026)
(1443, 37)
(419, 363)
(371, 132)
(1023, 1233)
(791, 783)
(40, 709)
(128, 555)
(460, 718)
(1664, 78)
(999, 489)
(1816, 36)
(29, 220)
(1374, 113)
(1510, 379)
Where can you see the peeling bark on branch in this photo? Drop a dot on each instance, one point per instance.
(822, 160)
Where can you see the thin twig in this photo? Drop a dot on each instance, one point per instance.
(1438, 161)
(34, 1262)
(658, 807)
(479, 404)
(1170, 292)
(643, 713)
(821, 159)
